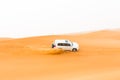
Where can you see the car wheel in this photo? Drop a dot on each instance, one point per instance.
(74, 49)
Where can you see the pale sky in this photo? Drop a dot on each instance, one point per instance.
(24, 18)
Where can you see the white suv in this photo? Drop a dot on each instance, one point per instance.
(65, 45)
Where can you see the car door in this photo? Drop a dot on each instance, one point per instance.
(68, 46)
(60, 46)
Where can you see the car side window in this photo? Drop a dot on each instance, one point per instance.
(60, 44)
(67, 44)
(64, 44)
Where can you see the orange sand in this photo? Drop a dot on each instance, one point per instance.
(33, 59)
(3, 39)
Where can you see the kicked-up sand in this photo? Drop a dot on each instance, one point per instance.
(33, 59)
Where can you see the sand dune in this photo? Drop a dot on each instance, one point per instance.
(3, 39)
(32, 58)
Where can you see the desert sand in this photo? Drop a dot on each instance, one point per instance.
(3, 39)
(33, 59)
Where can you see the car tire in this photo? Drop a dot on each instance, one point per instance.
(74, 49)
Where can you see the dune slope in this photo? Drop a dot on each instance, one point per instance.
(32, 58)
